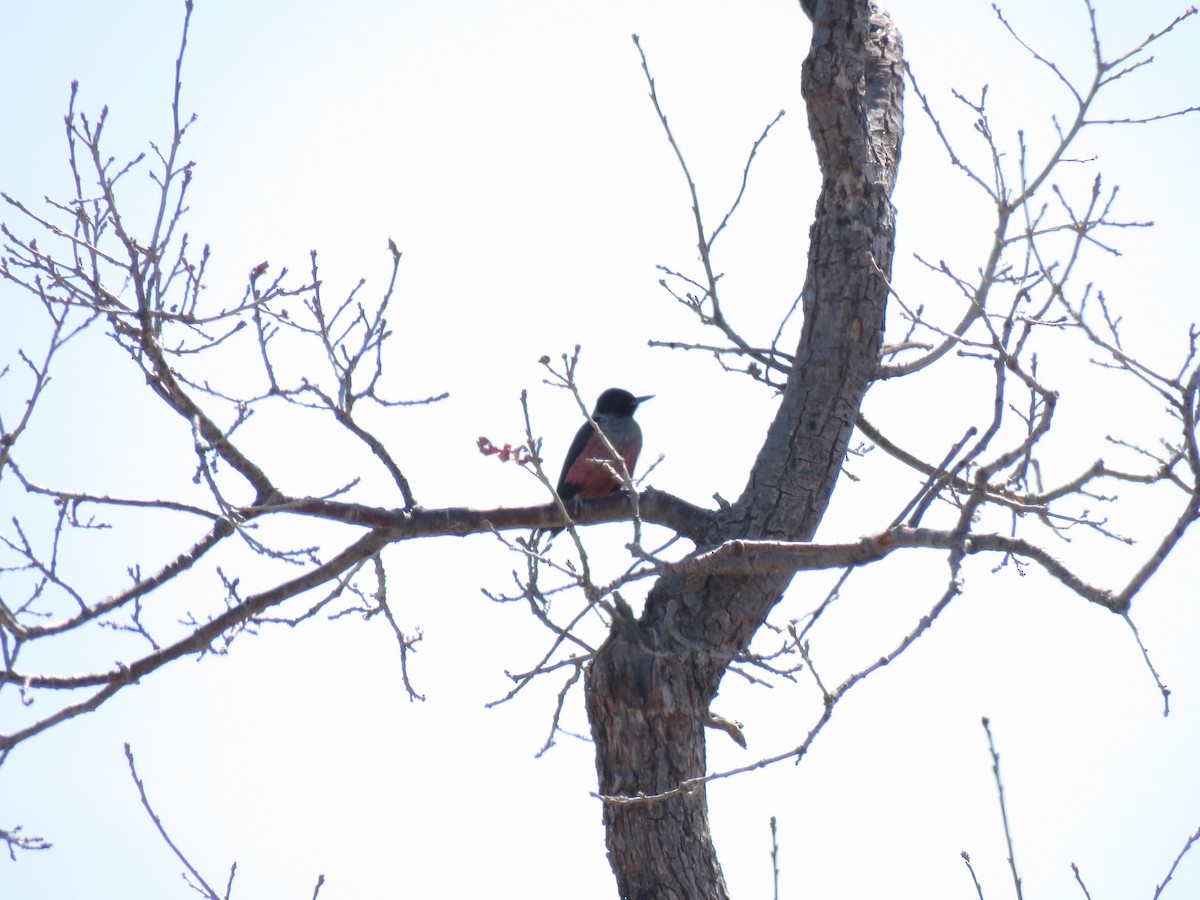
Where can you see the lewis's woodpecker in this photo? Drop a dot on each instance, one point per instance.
(587, 472)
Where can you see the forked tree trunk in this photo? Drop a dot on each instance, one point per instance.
(650, 685)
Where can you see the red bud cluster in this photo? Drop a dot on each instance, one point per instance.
(520, 454)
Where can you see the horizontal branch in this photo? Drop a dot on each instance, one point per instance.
(199, 640)
(794, 556)
(740, 556)
(185, 560)
(654, 506)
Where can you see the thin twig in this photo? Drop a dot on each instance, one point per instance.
(199, 879)
(1012, 861)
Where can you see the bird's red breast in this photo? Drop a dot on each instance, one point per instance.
(591, 471)
(589, 474)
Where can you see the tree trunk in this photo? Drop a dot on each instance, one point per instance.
(651, 682)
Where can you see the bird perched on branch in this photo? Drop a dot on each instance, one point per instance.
(590, 470)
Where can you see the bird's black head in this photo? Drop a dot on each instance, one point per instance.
(616, 402)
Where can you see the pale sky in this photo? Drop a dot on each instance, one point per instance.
(511, 152)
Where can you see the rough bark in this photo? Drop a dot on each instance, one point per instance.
(650, 685)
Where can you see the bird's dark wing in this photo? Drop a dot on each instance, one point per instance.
(568, 490)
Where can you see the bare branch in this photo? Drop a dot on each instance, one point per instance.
(1012, 860)
(1158, 889)
(197, 879)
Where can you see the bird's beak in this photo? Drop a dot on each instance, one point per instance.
(641, 400)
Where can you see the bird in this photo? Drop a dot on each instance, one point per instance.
(590, 470)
